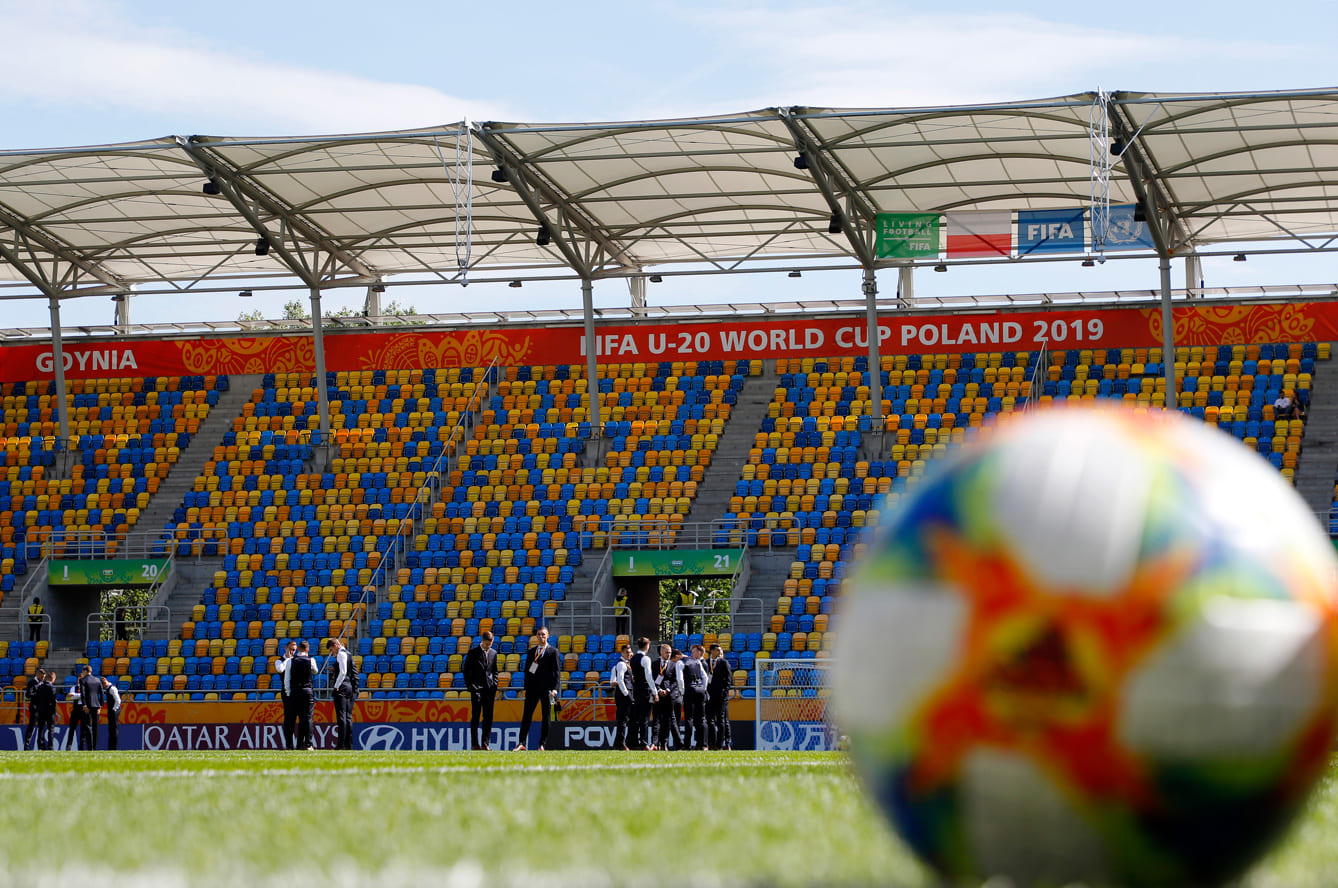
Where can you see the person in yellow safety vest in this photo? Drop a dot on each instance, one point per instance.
(622, 621)
(687, 608)
(35, 611)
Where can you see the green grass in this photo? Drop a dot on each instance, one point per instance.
(536, 819)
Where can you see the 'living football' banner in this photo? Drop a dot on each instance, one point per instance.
(906, 235)
(1202, 323)
(980, 234)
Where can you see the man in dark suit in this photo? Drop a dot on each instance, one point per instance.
(543, 668)
(643, 694)
(694, 698)
(44, 703)
(286, 695)
(90, 690)
(721, 679)
(301, 682)
(29, 692)
(669, 695)
(481, 680)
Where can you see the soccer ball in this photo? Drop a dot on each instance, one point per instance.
(1095, 646)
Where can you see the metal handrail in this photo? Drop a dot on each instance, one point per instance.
(409, 526)
(93, 545)
(21, 627)
(146, 616)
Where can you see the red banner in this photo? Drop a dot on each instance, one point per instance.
(654, 341)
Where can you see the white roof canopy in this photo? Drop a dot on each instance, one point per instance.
(611, 199)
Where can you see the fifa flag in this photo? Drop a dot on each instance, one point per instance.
(980, 234)
(906, 235)
(1050, 231)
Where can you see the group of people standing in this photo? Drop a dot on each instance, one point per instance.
(297, 692)
(683, 699)
(675, 698)
(90, 697)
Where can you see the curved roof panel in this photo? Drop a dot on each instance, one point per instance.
(607, 199)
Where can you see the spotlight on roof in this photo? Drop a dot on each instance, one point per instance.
(542, 237)
(378, 288)
(795, 274)
(801, 162)
(834, 224)
(211, 188)
(514, 284)
(1088, 263)
(1239, 257)
(246, 294)
(1117, 147)
(262, 246)
(940, 267)
(655, 279)
(499, 175)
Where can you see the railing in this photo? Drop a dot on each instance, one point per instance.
(99, 545)
(139, 618)
(393, 555)
(1036, 385)
(659, 534)
(18, 629)
(593, 614)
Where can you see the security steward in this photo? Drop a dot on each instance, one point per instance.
(302, 685)
(622, 620)
(35, 611)
(643, 692)
(687, 608)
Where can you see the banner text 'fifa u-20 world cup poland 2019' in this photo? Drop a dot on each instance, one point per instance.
(1202, 324)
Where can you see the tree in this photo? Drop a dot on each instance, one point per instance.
(298, 310)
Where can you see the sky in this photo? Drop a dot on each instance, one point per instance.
(83, 72)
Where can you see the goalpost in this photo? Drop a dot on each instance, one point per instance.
(792, 710)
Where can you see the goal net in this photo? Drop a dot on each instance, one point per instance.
(792, 711)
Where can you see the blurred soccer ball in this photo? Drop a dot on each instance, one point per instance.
(1096, 646)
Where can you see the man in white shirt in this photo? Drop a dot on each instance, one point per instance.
(621, 678)
(113, 701)
(341, 685)
(286, 694)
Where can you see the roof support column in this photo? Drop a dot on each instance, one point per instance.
(121, 301)
(875, 344)
(58, 362)
(591, 381)
(1193, 272)
(1168, 335)
(318, 344)
(906, 286)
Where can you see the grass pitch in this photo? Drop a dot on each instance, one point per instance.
(479, 819)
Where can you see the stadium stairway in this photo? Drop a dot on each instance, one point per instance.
(182, 477)
(717, 487)
(1319, 442)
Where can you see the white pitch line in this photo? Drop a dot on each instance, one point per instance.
(393, 770)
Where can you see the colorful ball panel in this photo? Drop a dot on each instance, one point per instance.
(1095, 645)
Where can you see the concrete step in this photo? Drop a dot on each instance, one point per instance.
(1319, 442)
(731, 452)
(173, 490)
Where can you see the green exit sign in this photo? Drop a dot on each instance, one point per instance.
(676, 563)
(107, 572)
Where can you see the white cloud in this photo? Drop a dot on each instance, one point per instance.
(872, 55)
(74, 52)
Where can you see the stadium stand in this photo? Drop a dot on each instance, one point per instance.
(525, 492)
